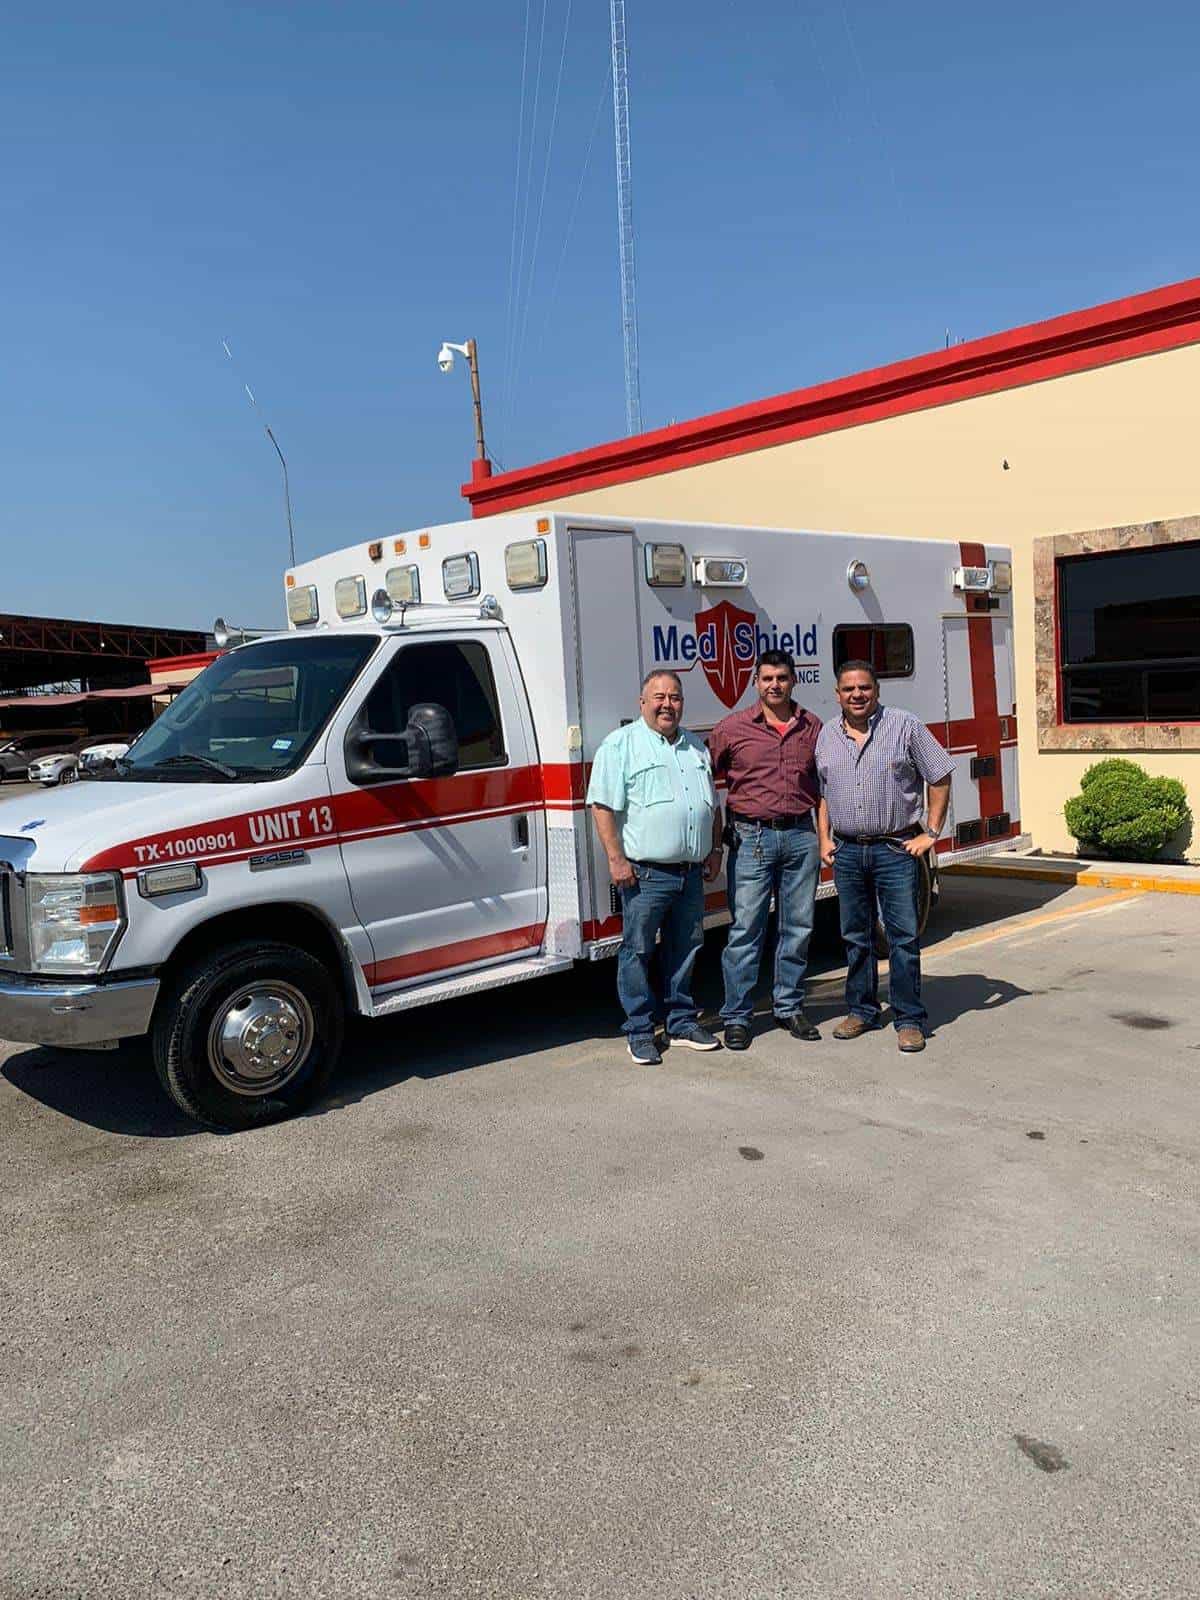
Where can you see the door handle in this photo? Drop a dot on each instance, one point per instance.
(521, 832)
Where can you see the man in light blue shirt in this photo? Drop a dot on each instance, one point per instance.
(657, 818)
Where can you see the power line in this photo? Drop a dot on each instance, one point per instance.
(537, 94)
(537, 232)
(570, 228)
(512, 249)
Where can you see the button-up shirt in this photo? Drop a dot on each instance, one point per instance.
(878, 787)
(661, 791)
(771, 772)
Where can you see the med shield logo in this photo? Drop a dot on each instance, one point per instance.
(726, 642)
(725, 639)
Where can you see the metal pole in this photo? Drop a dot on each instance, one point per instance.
(473, 363)
(287, 494)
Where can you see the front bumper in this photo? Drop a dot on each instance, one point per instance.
(81, 1016)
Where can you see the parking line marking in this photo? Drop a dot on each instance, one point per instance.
(971, 940)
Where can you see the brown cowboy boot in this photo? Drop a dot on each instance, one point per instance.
(853, 1028)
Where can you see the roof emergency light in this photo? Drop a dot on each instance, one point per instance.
(302, 604)
(403, 585)
(720, 572)
(666, 566)
(350, 597)
(525, 564)
(460, 576)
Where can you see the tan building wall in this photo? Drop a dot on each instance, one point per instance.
(1092, 450)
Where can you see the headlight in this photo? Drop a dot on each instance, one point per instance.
(75, 919)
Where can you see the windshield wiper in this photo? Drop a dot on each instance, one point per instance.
(192, 759)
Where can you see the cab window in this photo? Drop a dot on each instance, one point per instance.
(450, 673)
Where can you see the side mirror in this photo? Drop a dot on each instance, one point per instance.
(428, 748)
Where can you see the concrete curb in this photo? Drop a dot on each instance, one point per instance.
(1098, 877)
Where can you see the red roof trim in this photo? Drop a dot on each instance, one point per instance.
(182, 663)
(1162, 319)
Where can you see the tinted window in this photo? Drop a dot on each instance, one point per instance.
(447, 673)
(1129, 635)
(888, 646)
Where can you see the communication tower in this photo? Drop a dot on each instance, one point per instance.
(629, 321)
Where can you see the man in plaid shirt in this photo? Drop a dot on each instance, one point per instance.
(881, 773)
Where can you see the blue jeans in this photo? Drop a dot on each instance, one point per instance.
(765, 861)
(670, 903)
(867, 875)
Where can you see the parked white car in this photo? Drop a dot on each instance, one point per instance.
(80, 761)
(99, 757)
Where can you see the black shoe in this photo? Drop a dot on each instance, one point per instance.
(738, 1035)
(799, 1026)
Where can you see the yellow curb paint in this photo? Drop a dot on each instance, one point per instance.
(1028, 924)
(1092, 877)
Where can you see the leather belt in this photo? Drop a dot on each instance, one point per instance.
(803, 819)
(678, 867)
(879, 838)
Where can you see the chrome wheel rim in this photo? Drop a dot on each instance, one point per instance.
(260, 1038)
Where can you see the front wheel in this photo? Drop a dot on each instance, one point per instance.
(248, 1035)
(69, 775)
(926, 894)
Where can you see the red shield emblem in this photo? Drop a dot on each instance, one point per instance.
(726, 643)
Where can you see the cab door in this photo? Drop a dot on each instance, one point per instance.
(447, 873)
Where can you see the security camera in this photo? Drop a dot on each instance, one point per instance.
(446, 358)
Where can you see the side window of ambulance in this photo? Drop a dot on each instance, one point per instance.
(888, 646)
(450, 673)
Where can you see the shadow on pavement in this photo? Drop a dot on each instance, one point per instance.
(117, 1091)
(114, 1090)
(946, 999)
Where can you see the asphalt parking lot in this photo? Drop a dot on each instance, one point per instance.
(511, 1317)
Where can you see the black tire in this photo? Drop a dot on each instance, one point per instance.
(70, 775)
(925, 898)
(199, 1012)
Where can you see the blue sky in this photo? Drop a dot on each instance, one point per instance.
(818, 187)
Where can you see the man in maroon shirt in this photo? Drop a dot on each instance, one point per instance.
(766, 753)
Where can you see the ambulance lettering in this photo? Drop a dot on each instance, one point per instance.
(277, 827)
(726, 642)
(185, 846)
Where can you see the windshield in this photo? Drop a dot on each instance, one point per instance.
(253, 714)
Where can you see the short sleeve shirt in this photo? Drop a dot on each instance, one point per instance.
(879, 787)
(661, 792)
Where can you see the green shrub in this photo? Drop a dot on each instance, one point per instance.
(1124, 812)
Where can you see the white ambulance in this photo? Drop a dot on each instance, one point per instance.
(383, 806)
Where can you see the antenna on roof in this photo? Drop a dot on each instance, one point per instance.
(287, 494)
